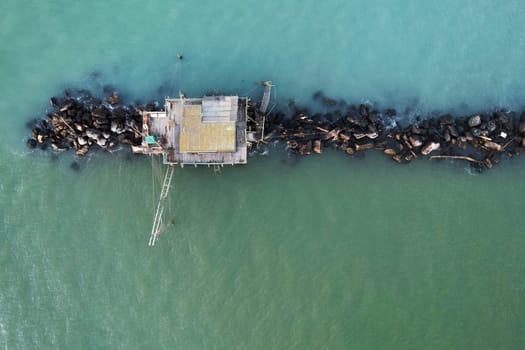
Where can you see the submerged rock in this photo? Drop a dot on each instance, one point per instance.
(31, 143)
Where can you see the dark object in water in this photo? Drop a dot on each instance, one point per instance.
(75, 166)
(179, 56)
(317, 95)
(31, 143)
(329, 102)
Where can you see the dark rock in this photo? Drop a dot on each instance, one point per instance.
(491, 126)
(475, 132)
(87, 118)
(53, 101)
(328, 102)
(452, 130)
(119, 113)
(446, 119)
(101, 112)
(521, 128)
(446, 135)
(150, 106)
(363, 110)
(462, 142)
(501, 117)
(390, 112)
(31, 143)
(418, 130)
(305, 149)
(374, 117)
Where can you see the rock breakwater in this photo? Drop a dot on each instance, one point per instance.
(482, 139)
(82, 122)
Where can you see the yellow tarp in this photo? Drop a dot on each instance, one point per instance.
(198, 136)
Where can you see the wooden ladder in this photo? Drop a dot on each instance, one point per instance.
(157, 221)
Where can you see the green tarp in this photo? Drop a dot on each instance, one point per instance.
(150, 140)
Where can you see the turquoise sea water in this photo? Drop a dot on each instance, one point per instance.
(327, 252)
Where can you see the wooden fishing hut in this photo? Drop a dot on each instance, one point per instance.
(198, 131)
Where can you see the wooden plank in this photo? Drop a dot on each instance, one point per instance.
(266, 96)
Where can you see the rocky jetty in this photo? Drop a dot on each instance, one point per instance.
(481, 139)
(81, 122)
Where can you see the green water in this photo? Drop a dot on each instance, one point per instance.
(328, 252)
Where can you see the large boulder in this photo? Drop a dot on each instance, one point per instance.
(415, 141)
(493, 146)
(474, 121)
(317, 146)
(430, 147)
(93, 133)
